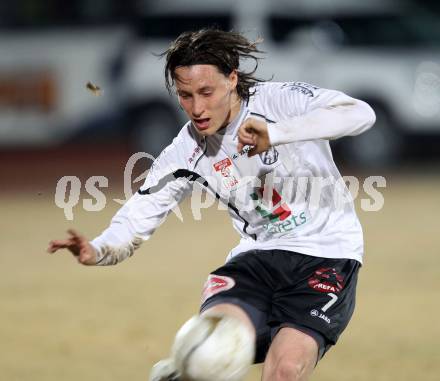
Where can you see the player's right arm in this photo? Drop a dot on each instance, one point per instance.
(313, 113)
(319, 114)
(138, 218)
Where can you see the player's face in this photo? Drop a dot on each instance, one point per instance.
(208, 97)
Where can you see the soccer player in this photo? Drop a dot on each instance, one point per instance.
(263, 149)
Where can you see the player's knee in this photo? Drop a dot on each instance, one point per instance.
(213, 348)
(287, 369)
(232, 310)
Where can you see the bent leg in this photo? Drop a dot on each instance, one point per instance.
(292, 356)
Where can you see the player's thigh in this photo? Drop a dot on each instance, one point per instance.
(292, 356)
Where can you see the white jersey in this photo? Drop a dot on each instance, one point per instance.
(291, 197)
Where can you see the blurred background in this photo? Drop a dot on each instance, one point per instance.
(64, 321)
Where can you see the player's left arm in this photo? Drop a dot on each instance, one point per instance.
(329, 114)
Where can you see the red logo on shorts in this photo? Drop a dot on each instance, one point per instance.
(326, 280)
(215, 284)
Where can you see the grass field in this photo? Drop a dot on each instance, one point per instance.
(62, 321)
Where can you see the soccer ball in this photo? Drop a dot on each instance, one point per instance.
(213, 348)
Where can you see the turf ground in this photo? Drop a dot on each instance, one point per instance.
(62, 321)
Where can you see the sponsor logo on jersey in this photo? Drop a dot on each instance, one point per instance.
(280, 217)
(270, 156)
(224, 167)
(226, 170)
(215, 284)
(316, 313)
(326, 280)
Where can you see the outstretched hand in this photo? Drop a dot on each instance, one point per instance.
(78, 245)
(253, 132)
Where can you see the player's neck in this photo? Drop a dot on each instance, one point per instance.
(235, 107)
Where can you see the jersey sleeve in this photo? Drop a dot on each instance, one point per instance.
(142, 214)
(316, 113)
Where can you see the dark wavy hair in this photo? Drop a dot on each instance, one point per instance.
(215, 47)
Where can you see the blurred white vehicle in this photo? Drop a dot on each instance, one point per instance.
(43, 95)
(44, 68)
(381, 51)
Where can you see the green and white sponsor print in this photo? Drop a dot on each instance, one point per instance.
(280, 217)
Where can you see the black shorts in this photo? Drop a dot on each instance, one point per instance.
(280, 288)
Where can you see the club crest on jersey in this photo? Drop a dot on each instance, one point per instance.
(226, 170)
(326, 280)
(215, 284)
(270, 156)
